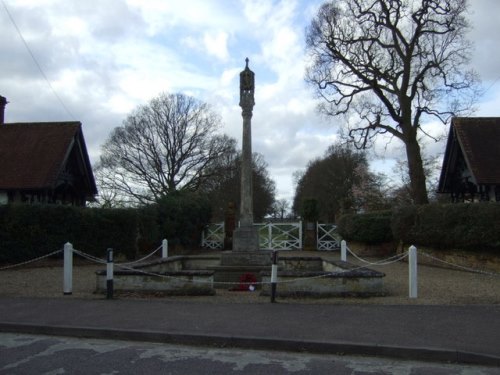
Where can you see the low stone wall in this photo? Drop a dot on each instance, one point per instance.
(168, 283)
(481, 261)
(332, 279)
(300, 263)
(179, 263)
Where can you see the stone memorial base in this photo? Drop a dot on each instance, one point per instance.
(245, 239)
(246, 258)
(234, 265)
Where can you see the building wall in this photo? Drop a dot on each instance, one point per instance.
(41, 197)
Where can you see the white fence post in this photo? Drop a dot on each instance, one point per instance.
(274, 276)
(301, 242)
(270, 235)
(68, 269)
(164, 249)
(343, 251)
(109, 274)
(412, 272)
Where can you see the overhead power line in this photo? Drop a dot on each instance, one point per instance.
(492, 84)
(36, 61)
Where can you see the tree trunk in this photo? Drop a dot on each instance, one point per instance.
(416, 171)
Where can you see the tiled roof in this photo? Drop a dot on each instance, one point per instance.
(479, 139)
(32, 154)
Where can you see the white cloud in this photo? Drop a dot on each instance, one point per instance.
(105, 58)
(216, 44)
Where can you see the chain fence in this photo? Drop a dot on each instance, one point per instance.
(31, 260)
(124, 266)
(458, 266)
(128, 266)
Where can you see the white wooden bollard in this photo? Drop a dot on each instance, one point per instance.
(109, 274)
(412, 272)
(164, 249)
(343, 251)
(274, 276)
(68, 269)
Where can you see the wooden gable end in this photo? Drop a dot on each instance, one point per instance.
(75, 180)
(45, 163)
(470, 166)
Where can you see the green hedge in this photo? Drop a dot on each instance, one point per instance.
(470, 227)
(371, 228)
(100, 229)
(449, 226)
(29, 231)
(182, 217)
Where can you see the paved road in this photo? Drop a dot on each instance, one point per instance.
(32, 354)
(462, 334)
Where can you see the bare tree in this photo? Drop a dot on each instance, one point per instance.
(161, 147)
(389, 64)
(280, 208)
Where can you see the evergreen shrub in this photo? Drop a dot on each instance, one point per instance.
(464, 226)
(30, 231)
(181, 217)
(370, 228)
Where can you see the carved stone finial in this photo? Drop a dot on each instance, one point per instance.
(247, 88)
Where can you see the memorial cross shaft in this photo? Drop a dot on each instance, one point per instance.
(246, 237)
(247, 101)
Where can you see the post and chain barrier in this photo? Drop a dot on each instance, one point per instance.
(274, 275)
(31, 260)
(458, 266)
(68, 279)
(383, 262)
(411, 254)
(412, 272)
(109, 274)
(68, 269)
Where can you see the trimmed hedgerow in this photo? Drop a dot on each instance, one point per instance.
(182, 217)
(370, 228)
(101, 229)
(29, 231)
(473, 227)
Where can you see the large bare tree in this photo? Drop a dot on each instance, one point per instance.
(160, 148)
(389, 66)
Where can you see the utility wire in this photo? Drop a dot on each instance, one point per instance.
(491, 85)
(36, 61)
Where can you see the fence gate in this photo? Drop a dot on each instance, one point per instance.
(327, 237)
(272, 236)
(213, 236)
(280, 236)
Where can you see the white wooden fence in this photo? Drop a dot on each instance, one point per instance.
(276, 236)
(280, 236)
(213, 236)
(327, 237)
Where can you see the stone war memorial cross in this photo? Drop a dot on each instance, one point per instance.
(246, 255)
(246, 236)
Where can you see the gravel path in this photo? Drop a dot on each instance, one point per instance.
(435, 285)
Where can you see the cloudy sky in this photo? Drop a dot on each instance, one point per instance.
(100, 59)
